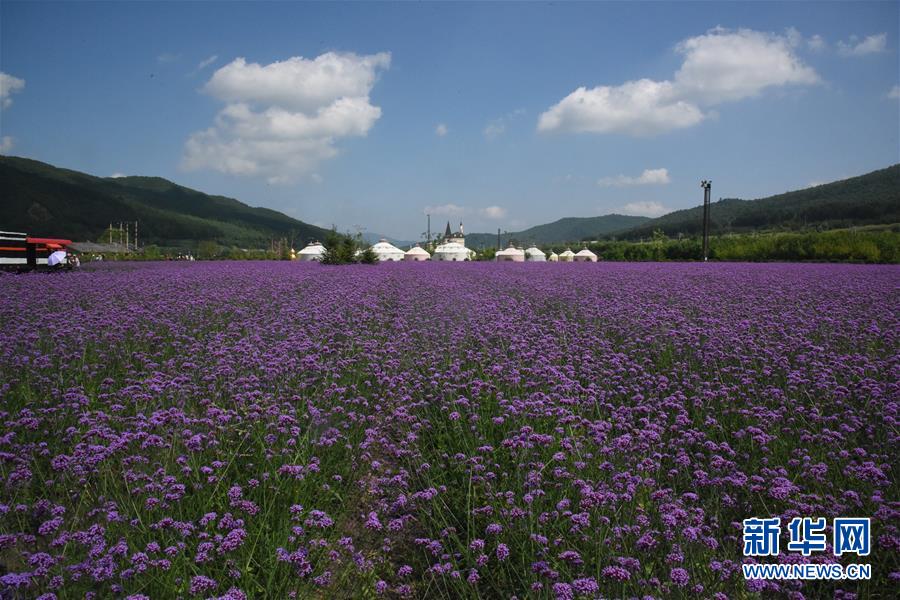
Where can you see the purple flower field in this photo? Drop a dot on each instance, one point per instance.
(249, 430)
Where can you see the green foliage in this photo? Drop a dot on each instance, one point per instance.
(345, 249)
(151, 252)
(487, 254)
(368, 256)
(208, 250)
(44, 200)
(831, 246)
(872, 245)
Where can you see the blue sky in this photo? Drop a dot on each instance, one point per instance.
(501, 115)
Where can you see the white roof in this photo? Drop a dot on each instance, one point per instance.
(568, 252)
(417, 251)
(511, 251)
(313, 248)
(385, 248)
(534, 251)
(586, 252)
(452, 249)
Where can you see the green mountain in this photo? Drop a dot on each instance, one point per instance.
(47, 201)
(870, 199)
(569, 229)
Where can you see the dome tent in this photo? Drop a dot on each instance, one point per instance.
(554, 257)
(566, 256)
(534, 254)
(385, 251)
(585, 255)
(511, 254)
(452, 252)
(416, 253)
(312, 251)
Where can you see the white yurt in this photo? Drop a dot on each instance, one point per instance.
(554, 257)
(534, 254)
(585, 255)
(313, 251)
(416, 253)
(511, 254)
(453, 252)
(386, 251)
(567, 256)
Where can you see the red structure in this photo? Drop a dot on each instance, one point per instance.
(19, 251)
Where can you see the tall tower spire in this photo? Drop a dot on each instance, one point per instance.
(461, 234)
(447, 232)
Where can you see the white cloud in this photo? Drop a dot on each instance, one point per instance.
(497, 127)
(894, 94)
(281, 120)
(446, 210)
(816, 43)
(6, 144)
(206, 62)
(494, 129)
(648, 177)
(643, 107)
(793, 36)
(441, 130)
(493, 212)
(9, 85)
(870, 45)
(455, 210)
(167, 57)
(724, 66)
(644, 209)
(719, 66)
(299, 84)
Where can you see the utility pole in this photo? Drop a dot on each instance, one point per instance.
(706, 185)
(135, 236)
(127, 230)
(429, 230)
(498, 239)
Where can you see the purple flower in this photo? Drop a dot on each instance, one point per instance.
(616, 573)
(200, 584)
(586, 586)
(679, 577)
(372, 521)
(563, 591)
(502, 552)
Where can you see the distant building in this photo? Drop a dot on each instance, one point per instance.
(534, 254)
(416, 253)
(452, 247)
(312, 251)
(554, 257)
(386, 251)
(585, 255)
(567, 256)
(19, 251)
(510, 254)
